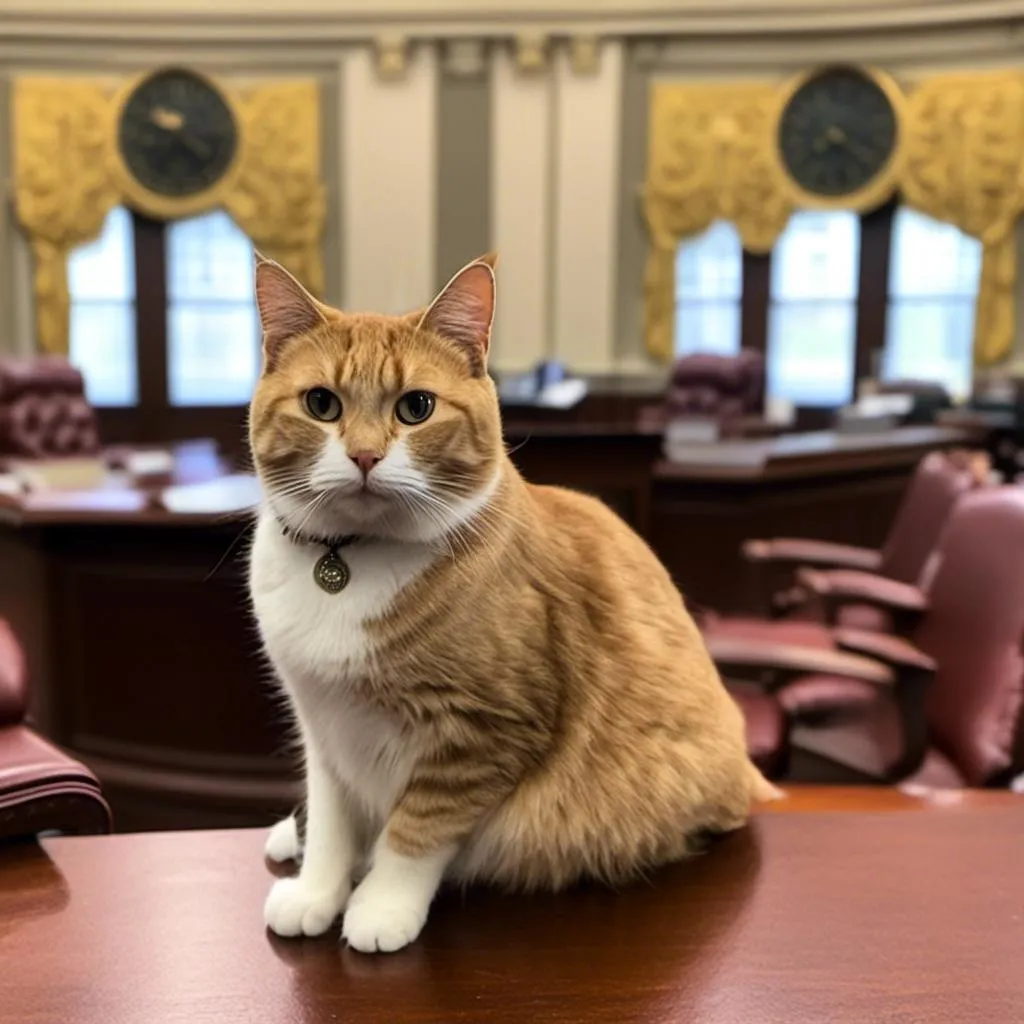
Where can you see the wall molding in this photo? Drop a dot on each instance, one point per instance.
(248, 21)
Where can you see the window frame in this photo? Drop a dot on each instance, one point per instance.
(871, 305)
(153, 419)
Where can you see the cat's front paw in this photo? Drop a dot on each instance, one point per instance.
(283, 841)
(379, 921)
(295, 907)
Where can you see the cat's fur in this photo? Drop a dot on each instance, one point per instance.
(509, 689)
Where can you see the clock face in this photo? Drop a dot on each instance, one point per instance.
(837, 132)
(177, 134)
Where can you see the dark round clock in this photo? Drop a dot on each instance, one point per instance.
(837, 132)
(177, 134)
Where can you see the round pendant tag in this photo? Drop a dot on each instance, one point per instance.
(331, 573)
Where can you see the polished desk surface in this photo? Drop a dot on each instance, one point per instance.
(846, 906)
(813, 453)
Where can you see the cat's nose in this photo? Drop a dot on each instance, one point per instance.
(365, 461)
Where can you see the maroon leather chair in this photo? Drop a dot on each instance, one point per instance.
(943, 707)
(768, 728)
(939, 482)
(41, 788)
(43, 410)
(726, 389)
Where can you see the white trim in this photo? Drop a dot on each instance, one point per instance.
(388, 195)
(586, 211)
(520, 212)
(245, 20)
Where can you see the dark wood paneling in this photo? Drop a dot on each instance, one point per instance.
(698, 528)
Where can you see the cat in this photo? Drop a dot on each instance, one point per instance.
(492, 681)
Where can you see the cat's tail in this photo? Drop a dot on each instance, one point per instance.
(761, 790)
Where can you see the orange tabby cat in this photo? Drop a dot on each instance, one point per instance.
(493, 681)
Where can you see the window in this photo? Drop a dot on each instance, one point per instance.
(934, 272)
(101, 282)
(213, 335)
(164, 327)
(812, 315)
(709, 287)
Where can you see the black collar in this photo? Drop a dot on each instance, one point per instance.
(307, 539)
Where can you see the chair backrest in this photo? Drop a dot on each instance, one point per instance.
(43, 410)
(716, 386)
(939, 482)
(974, 629)
(13, 682)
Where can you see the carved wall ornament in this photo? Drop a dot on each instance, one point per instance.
(464, 58)
(585, 55)
(68, 176)
(392, 57)
(531, 50)
(959, 152)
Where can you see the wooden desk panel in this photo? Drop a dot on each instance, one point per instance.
(866, 915)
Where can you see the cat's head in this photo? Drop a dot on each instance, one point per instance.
(379, 425)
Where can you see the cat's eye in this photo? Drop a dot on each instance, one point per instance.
(415, 407)
(322, 404)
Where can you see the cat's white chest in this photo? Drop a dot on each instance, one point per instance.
(315, 638)
(321, 647)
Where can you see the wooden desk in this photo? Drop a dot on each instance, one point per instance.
(821, 485)
(886, 909)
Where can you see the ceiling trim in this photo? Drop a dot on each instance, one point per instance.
(172, 21)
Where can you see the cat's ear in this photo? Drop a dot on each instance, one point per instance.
(286, 308)
(464, 311)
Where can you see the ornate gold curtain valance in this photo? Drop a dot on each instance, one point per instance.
(959, 149)
(68, 176)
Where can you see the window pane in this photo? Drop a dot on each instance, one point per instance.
(209, 257)
(105, 268)
(816, 257)
(102, 346)
(101, 280)
(708, 327)
(214, 353)
(212, 325)
(710, 265)
(709, 284)
(812, 318)
(932, 340)
(932, 258)
(811, 352)
(934, 274)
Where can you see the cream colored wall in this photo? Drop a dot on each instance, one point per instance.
(564, 119)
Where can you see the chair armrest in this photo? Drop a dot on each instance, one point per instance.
(837, 587)
(794, 551)
(42, 789)
(13, 678)
(891, 650)
(734, 654)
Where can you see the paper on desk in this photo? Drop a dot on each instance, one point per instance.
(747, 454)
(563, 394)
(236, 493)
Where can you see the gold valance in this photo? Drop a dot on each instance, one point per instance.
(959, 153)
(66, 179)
